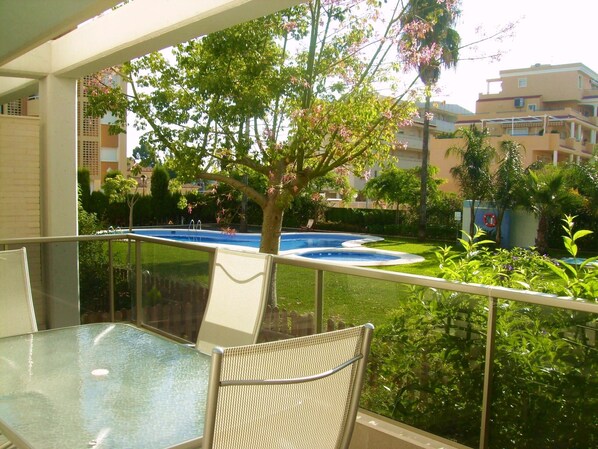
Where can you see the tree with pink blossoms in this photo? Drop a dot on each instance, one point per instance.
(290, 98)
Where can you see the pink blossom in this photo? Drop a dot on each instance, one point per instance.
(228, 231)
(401, 145)
(451, 5)
(298, 113)
(429, 116)
(417, 28)
(289, 26)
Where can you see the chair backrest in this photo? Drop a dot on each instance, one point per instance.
(16, 303)
(239, 287)
(301, 393)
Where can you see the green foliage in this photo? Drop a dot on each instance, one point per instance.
(394, 187)
(577, 280)
(290, 97)
(473, 171)
(160, 181)
(160, 194)
(94, 266)
(547, 194)
(427, 363)
(144, 155)
(98, 203)
(83, 180)
(507, 182)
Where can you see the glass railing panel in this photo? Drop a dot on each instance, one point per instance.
(545, 390)
(291, 312)
(426, 367)
(427, 360)
(174, 287)
(95, 279)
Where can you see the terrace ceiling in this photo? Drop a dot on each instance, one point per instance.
(72, 38)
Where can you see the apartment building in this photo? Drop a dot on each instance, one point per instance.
(552, 110)
(409, 143)
(97, 149)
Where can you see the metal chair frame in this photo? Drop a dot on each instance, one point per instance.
(258, 355)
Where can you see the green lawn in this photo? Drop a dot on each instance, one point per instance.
(354, 300)
(427, 250)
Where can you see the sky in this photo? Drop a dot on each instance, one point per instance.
(546, 32)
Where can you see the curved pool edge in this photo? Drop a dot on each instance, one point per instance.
(400, 258)
(353, 246)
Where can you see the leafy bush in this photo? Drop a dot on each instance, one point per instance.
(427, 364)
(94, 270)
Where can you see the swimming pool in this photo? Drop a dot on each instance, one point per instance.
(322, 246)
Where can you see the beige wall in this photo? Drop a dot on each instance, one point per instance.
(535, 148)
(19, 177)
(546, 86)
(107, 139)
(20, 193)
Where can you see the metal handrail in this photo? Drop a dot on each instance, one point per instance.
(544, 299)
(493, 293)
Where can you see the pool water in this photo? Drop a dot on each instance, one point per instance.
(288, 242)
(338, 248)
(339, 256)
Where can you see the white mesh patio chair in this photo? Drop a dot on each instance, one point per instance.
(300, 393)
(237, 300)
(16, 303)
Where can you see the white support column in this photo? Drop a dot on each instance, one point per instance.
(572, 131)
(58, 198)
(593, 136)
(555, 157)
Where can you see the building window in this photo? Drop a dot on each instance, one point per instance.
(519, 132)
(579, 82)
(531, 107)
(522, 82)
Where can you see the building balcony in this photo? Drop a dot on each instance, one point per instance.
(453, 365)
(590, 93)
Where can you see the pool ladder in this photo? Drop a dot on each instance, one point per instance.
(194, 226)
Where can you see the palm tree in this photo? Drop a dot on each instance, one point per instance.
(507, 182)
(547, 195)
(442, 42)
(473, 173)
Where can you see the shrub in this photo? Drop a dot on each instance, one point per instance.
(427, 363)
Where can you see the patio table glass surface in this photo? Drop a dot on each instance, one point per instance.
(101, 386)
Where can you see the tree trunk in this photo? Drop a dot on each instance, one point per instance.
(541, 244)
(499, 218)
(131, 217)
(423, 198)
(271, 227)
(472, 220)
(270, 241)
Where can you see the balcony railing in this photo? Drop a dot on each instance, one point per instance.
(476, 364)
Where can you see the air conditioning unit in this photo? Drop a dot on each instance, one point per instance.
(519, 102)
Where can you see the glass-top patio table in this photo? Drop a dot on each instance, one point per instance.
(101, 386)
